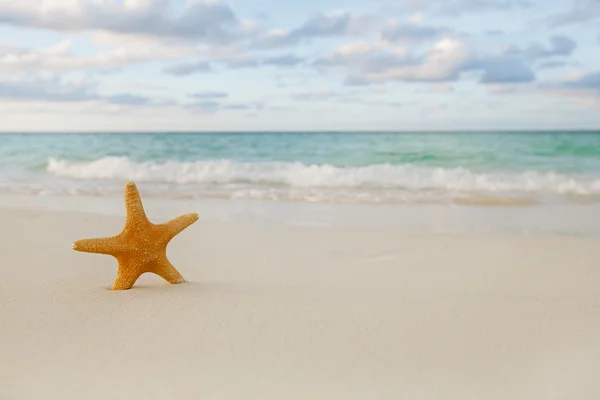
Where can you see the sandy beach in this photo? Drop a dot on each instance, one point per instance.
(360, 200)
(282, 312)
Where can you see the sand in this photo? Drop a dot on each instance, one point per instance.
(275, 312)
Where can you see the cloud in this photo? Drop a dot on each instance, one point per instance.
(262, 16)
(333, 24)
(382, 62)
(447, 59)
(515, 65)
(559, 46)
(286, 60)
(314, 95)
(465, 6)
(442, 63)
(127, 99)
(237, 107)
(584, 88)
(398, 32)
(236, 61)
(210, 21)
(246, 61)
(205, 106)
(320, 25)
(58, 58)
(366, 57)
(441, 89)
(44, 90)
(213, 106)
(552, 64)
(254, 105)
(503, 70)
(208, 95)
(356, 80)
(581, 11)
(188, 68)
(343, 97)
(587, 82)
(58, 91)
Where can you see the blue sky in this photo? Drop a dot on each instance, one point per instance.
(125, 65)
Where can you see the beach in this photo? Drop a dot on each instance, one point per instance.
(323, 266)
(300, 200)
(290, 310)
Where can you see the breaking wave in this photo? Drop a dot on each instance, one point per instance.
(271, 177)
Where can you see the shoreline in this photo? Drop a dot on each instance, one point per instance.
(409, 219)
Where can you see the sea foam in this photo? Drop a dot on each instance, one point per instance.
(295, 175)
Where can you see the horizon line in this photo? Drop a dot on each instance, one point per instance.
(565, 130)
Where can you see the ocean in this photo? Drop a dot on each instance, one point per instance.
(473, 169)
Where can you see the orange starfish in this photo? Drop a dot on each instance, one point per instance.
(142, 246)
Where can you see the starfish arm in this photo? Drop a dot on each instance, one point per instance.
(133, 206)
(167, 271)
(109, 245)
(126, 277)
(173, 227)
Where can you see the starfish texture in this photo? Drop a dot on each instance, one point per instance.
(142, 246)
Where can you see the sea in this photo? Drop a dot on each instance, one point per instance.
(519, 169)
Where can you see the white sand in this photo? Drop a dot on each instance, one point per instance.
(298, 313)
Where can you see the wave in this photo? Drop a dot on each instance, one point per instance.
(296, 175)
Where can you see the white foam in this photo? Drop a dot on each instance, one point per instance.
(297, 175)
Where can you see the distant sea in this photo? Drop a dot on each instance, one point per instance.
(516, 168)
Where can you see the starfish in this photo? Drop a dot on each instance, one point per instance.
(142, 246)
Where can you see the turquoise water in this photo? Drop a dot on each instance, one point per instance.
(469, 168)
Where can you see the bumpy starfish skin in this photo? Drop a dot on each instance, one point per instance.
(142, 246)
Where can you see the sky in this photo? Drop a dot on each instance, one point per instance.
(244, 65)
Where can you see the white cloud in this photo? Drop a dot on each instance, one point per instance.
(417, 18)
(210, 22)
(57, 90)
(581, 88)
(208, 95)
(365, 55)
(580, 11)
(188, 68)
(384, 61)
(320, 25)
(465, 6)
(396, 31)
(443, 62)
(59, 57)
(433, 51)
